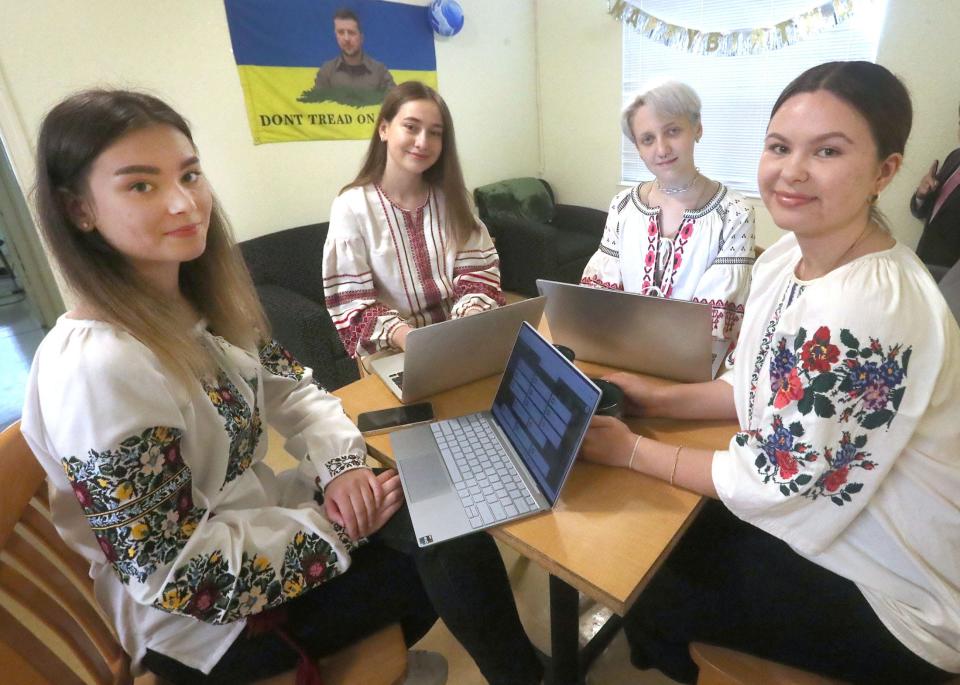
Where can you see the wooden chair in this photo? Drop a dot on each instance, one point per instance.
(51, 629)
(721, 666)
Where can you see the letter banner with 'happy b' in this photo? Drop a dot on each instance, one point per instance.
(318, 69)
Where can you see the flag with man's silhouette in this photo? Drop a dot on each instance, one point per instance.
(318, 69)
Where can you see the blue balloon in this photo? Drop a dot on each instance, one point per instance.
(446, 17)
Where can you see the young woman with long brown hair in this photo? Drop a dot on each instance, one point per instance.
(146, 405)
(404, 249)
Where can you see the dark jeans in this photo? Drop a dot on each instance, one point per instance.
(391, 580)
(730, 584)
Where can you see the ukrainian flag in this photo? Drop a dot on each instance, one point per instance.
(279, 46)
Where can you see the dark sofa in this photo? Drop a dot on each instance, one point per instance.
(535, 237)
(287, 270)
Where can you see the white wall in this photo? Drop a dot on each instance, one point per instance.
(180, 50)
(579, 54)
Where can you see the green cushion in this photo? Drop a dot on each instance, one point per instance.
(518, 198)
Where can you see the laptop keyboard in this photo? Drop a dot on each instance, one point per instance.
(397, 378)
(487, 482)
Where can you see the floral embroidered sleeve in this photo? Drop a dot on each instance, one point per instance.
(725, 284)
(476, 276)
(603, 269)
(309, 417)
(842, 399)
(363, 323)
(146, 463)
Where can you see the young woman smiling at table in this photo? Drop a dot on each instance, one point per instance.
(404, 248)
(847, 464)
(146, 406)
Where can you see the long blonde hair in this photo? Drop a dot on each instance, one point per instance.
(217, 284)
(445, 173)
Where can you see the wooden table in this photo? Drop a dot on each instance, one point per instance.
(609, 531)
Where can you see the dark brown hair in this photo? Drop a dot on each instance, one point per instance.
(871, 90)
(445, 173)
(345, 13)
(73, 134)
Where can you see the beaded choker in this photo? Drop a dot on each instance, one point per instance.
(679, 189)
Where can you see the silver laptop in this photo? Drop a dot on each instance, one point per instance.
(480, 470)
(451, 353)
(654, 335)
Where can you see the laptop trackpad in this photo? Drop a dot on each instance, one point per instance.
(425, 477)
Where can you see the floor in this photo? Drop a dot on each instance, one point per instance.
(20, 334)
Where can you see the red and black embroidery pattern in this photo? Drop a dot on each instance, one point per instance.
(138, 500)
(861, 386)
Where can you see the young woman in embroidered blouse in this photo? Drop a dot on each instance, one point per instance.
(846, 389)
(681, 235)
(404, 249)
(146, 406)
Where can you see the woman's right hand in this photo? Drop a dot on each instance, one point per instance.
(928, 183)
(640, 393)
(398, 338)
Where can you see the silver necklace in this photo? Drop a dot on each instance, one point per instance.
(679, 189)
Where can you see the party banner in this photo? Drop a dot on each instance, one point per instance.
(742, 41)
(318, 69)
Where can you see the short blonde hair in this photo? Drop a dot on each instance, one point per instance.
(670, 98)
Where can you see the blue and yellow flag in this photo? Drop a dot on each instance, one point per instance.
(287, 52)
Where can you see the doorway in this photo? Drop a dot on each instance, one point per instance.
(30, 301)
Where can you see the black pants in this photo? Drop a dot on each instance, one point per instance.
(730, 584)
(391, 580)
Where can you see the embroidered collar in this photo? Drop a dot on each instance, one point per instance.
(404, 209)
(688, 213)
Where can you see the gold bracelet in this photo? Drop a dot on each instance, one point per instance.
(676, 460)
(633, 453)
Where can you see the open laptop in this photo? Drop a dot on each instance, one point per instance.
(450, 353)
(654, 335)
(480, 470)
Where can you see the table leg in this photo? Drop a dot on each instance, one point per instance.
(570, 663)
(564, 633)
(598, 643)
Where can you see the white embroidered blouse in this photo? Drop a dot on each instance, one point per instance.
(162, 488)
(384, 266)
(708, 260)
(847, 388)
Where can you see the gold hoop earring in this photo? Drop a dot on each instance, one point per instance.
(873, 199)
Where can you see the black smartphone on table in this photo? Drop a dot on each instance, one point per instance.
(386, 420)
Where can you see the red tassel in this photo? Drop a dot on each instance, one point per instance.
(266, 621)
(307, 671)
(275, 620)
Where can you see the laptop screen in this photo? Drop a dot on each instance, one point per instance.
(544, 405)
